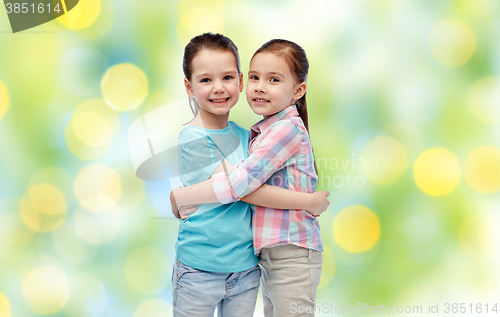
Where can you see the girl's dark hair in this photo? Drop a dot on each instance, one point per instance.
(207, 41)
(295, 57)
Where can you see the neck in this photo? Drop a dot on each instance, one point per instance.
(212, 121)
(270, 115)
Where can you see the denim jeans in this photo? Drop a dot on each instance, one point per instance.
(196, 293)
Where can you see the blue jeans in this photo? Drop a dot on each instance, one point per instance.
(196, 293)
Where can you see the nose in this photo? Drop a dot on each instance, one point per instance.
(259, 87)
(218, 87)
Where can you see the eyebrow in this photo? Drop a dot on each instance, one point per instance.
(232, 72)
(269, 73)
(208, 75)
(277, 73)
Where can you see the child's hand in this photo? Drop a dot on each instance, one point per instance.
(185, 211)
(175, 210)
(182, 212)
(319, 202)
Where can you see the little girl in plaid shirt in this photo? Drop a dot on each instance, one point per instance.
(288, 242)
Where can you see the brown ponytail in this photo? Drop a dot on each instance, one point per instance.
(302, 110)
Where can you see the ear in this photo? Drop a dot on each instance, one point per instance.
(189, 89)
(300, 90)
(241, 82)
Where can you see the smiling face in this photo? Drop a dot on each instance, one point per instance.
(271, 85)
(215, 81)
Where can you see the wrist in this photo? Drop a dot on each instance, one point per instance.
(310, 202)
(177, 192)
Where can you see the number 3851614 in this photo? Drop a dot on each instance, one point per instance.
(31, 8)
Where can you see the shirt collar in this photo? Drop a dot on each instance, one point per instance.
(286, 113)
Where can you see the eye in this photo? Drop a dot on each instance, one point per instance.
(253, 77)
(274, 79)
(228, 77)
(205, 80)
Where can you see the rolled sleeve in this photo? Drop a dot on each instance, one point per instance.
(222, 188)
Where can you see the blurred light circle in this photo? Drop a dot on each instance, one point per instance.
(124, 87)
(32, 219)
(83, 15)
(146, 270)
(484, 100)
(44, 208)
(98, 106)
(47, 199)
(81, 150)
(436, 171)
(92, 129)
(153, 308)
(4, 306)
(12, 228)
(328, 268)
(103, 24)
(70, 246)
(197, 17)
(133, 191)
(82, 69)
(56, 177)
(98, 187)
(4, 100)
(46, 289)
(404, 133)
(356, 229)
(452, 42)
(389, 160)
(98, 228)
(482, 169)
(88, 296)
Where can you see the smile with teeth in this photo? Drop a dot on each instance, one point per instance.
(260, 100)
(220, 100)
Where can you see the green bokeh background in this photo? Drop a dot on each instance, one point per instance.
(375, 71)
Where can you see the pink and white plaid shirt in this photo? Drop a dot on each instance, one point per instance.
(280, 154)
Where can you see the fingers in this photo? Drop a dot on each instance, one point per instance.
(185, 212)
(189, 206)
(312, 213)
(175, 212)
(188, 211)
